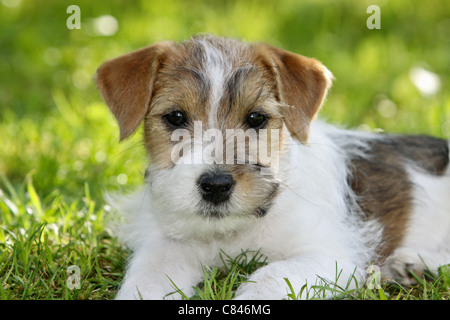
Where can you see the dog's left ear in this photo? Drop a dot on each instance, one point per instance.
(126, 84)
(302, 84)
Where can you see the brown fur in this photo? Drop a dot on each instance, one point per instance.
(302, 84)
(130, 83)
(381, 181)
(125, 83)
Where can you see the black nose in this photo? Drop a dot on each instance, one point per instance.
(216, 188)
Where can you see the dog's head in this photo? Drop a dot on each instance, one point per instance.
(217, 113)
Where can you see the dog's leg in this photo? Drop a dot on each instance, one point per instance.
(269, 281)
(154, 267)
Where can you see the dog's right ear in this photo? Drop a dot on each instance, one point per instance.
(126, 84)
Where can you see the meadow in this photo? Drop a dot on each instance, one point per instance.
(59, 144)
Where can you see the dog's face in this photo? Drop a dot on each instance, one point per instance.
(217, 114)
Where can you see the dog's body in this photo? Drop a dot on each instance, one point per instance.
(336, 201)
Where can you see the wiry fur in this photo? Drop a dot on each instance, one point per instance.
(320, 213)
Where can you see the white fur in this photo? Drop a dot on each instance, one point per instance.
(309, 231)
(218, 69)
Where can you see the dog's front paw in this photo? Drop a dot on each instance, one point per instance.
(135, 292)
(142, 291)
(404, 269)
(263, 285)
(253, 291)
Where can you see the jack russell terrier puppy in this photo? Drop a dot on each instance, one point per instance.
(237, 163)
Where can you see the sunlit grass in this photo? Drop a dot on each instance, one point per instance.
(41, 237)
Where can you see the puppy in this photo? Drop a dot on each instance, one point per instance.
(314, 199)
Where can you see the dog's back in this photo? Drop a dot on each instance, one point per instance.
(403, 181)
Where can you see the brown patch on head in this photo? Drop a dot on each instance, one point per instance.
(167, 76)
(186, 83)
(251, 90)
(180, 86)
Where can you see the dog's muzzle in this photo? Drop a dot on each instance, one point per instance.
(216, 187)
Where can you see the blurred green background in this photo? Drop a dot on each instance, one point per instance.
(55, 127)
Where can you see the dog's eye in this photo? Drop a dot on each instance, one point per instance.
(256, 120)
(176, 119)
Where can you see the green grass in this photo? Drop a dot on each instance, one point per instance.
(220, 283)
(35, 257)
(59, 150)
(41, 238)
(427, 288)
